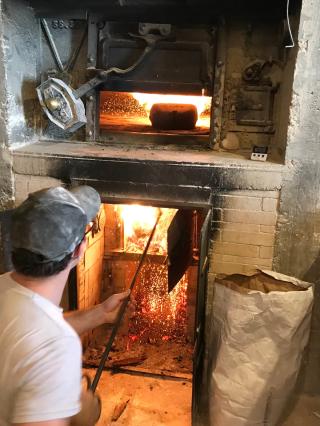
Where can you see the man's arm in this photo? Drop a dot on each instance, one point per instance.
(104, 313)
(88, 416)
(60, 422)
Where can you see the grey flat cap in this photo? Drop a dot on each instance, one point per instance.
(52, 222)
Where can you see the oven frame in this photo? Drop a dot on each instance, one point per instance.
(92, 99)
(198, 405)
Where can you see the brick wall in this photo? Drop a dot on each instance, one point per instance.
(25, 184)
(244, 224)
(89, 276)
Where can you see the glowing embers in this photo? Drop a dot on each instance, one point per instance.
(155, 113)
(159, 316)
(159, 338)
(138, 221)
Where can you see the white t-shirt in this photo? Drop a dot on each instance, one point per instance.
(40, 358)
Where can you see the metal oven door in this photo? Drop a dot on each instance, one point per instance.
(199, 346)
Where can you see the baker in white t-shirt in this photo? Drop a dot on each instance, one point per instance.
(40, 355)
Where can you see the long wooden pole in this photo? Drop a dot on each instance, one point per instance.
(121, 312)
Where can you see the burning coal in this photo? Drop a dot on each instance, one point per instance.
(159, 315)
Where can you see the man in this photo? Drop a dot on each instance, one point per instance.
(40, 351)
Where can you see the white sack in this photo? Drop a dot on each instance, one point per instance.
(259, 339)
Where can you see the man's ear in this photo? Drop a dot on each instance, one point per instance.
(80, 249)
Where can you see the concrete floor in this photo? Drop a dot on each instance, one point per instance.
(152, 401)
(305, 412)
(157, 401)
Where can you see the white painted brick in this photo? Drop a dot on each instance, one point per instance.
(266, 252)
(216, 236)
(254, 238)
(249, 193)
(259, 218)
(240, 227)
(231, 268)
(216, 214)
(21, 183)
(42, 182)
(241, 203)
(215, 257)
(244, 250)
(270, 204)
(268, 229)
(25, 184)
(211, 278)
(316, 225)
(265, 263)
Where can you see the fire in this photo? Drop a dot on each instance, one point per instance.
(136, 218)
(127, 111)
(138, 222)
(159, 315)
(202, 103)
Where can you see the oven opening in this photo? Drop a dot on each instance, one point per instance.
(154, 113)
(159, 341)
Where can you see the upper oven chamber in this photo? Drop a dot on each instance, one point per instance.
(157, 60)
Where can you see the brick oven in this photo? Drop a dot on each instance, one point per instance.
(168, 320)
(158, 107)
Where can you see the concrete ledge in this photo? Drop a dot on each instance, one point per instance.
(150, 174)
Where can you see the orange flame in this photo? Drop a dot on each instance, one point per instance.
(138, 222)
(159, 315)
(135, 217)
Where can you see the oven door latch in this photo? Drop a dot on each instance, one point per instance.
(63, 105)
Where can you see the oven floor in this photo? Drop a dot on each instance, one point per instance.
(110, 123)
(156, 401)
(152, 401)
(175, 360)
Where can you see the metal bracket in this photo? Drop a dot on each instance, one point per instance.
(254, 106)
(64, 70)
(61, 105)
(147, 28)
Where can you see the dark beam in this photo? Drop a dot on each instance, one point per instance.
(167, 11)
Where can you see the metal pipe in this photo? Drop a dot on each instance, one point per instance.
(121, 312)
(74, 56)
(52, 44)
(103, 75)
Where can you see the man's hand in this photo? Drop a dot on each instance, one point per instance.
(112, 305)
(90, 410)
(104, 313)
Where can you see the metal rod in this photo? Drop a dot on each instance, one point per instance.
(103, 75)
(121, 312)
(76, 52)
(117, 70)
(52, 44)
